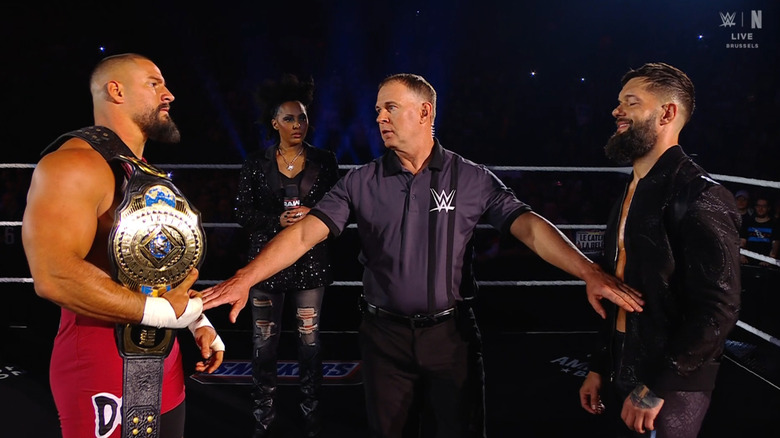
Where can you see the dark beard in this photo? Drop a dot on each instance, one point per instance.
(623, 148)
(157, 129)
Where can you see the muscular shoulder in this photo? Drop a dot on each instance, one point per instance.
(75, 168)
(74, 149)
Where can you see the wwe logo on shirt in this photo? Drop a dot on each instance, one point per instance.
(443, 201)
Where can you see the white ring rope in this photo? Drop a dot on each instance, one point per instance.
(757, 256)
(16, 166)
(626, 170)
(15, 280)
(764, 379)
(765, 336)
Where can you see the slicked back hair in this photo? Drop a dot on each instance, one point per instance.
(668, 81)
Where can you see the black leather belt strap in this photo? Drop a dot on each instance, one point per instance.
(143, 350)
(141, 412)
(414, 321)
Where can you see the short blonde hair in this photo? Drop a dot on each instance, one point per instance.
(418, 85)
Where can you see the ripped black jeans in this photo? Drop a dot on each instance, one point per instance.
(267, 311)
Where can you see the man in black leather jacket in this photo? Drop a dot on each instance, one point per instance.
(673, 237)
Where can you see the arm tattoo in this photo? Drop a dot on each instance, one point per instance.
(643, 398)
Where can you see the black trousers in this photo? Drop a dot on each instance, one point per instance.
(423, 382)
(680, 417)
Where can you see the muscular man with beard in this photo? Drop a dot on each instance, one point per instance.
(71, 208)
(673, 237)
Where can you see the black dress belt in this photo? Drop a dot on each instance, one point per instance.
(415, 321)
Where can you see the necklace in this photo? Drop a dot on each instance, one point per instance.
(290, 164)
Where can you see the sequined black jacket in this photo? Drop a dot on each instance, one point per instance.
(260, 202)
(682, 247)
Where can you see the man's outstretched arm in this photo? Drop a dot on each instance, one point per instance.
(552, 246)
(281, 252)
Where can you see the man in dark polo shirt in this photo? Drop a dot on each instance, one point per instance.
(416, 209)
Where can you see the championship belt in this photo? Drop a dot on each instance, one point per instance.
(157, 239)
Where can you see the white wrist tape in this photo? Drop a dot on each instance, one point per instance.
(217, 345)
(203, 321)
(159, 313)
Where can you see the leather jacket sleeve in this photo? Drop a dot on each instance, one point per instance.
(707, 256)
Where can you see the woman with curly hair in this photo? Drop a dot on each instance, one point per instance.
(278, 186)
